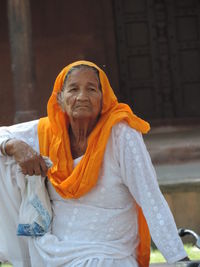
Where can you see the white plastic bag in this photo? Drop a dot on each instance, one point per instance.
(35, 212)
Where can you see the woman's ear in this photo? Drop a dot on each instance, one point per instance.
(60, 99)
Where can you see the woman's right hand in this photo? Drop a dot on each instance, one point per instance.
(29, 160)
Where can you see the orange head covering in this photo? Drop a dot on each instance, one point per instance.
(54, 142)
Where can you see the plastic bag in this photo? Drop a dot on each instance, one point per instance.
(35, 212)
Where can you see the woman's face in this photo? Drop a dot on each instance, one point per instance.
(82, 97)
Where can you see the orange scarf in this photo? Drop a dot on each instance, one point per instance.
(54, 142)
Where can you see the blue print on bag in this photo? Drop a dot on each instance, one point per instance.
(30, 230)
(46, 218)
(36, 229)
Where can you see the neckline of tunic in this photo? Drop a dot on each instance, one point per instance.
(77, 160)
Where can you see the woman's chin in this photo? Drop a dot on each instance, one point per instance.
(83, 115)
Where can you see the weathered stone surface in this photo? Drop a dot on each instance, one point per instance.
(174, 144)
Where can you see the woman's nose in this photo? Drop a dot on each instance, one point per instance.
(82, 95)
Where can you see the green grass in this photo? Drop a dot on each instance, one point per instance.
(156, 256)
(193, 254)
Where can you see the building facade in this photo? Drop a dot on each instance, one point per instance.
(150, 50)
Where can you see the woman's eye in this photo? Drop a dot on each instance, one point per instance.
(92, 89)
(73, 89)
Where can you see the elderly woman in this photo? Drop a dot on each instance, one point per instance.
(102, 184)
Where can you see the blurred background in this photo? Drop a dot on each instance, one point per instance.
(150, 50)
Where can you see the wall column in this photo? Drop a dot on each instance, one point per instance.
(22, 63)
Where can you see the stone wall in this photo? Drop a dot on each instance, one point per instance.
(63, 32)
(186, 209)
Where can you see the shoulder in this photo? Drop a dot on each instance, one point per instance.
(44, 128)
(123, 131)
(26, 131)
(44, 122)
(44, 135)
(127, 139)
(24, 125)
(21, 127)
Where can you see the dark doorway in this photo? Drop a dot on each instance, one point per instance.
(159, 57)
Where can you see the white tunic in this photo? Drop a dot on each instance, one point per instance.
(100, 228)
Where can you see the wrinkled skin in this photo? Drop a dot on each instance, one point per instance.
(29, 160)
(81, 99)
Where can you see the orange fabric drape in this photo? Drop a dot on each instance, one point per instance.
(54, 142)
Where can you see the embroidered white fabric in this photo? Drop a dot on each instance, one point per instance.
(100, 228)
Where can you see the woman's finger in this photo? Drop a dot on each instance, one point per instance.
(24, 171)
(30, 170)
(37, 169)
(43, 166)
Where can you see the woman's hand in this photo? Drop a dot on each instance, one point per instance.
(29, 160)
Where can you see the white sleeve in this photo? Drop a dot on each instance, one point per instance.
(26, 131)
(13, 248)
(139, 176)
